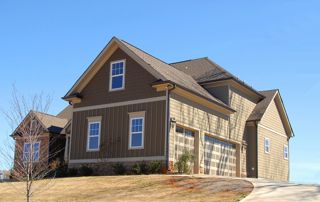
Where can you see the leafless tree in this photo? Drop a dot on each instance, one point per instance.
(24, 154)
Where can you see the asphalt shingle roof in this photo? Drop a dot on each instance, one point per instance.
(262, 106)
(172, 74)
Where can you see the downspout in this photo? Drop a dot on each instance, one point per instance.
(169, 88)
(257, 152)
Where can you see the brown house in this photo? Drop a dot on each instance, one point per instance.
(40, 136)
(129, 106)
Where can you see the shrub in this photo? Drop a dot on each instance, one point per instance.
(61, 171)
(72, 172)
(136, 169)
(155, 167)
(119, 169)
(144, 168)
(184, 162)
(85, 170)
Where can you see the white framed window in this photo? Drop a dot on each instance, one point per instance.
(285, 152)
(117, 75)
(266, 145)
(136, 130)
(31, 151)
(94, 130)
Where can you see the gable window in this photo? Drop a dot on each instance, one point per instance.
(94, 129)
(285, 152)
(136, 130)
(266, 145)
(117, 75)
(31, 151)
(33, 124)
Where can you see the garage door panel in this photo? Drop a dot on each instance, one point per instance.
(219, 157)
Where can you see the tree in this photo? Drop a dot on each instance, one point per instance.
(29, 163)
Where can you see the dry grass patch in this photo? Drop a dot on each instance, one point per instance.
(135, 188)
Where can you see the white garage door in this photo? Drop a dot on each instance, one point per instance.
(184, 141)
(219, 157)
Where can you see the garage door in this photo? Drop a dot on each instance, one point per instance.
(184, 140)
(219, 157)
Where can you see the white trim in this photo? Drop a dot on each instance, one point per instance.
(117, 104)
(284, 156)
(127, 159)
(123, 75)
(271, 130)
(133, 117)
(264, 143)
(88, 136)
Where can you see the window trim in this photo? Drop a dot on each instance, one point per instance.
(284, 153)
(88, 135)
(132, 116)
(38, 142)
(123, 74)
(265, 151)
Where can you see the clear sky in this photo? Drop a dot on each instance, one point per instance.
(268, 44)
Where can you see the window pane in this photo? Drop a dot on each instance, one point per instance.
(136, 140)
(36, 147)
(36, 156)
(136, 125)
(117, 82)
(94, 129)
(179, 129)
(93, 143)
(26, 147)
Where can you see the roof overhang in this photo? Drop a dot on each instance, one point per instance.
(256, 96)
(180, 90)
(283, 113)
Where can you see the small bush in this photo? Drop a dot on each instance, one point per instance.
(61, 171)
(85, 170)
(136, 169)
(145, 168)
(72, 172)
(119, 169)
(155, 167)
(184, 163)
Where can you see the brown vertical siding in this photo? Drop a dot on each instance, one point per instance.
(251, 138)
(137, 84)
(115, 132)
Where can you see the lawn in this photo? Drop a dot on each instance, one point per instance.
(133, 188)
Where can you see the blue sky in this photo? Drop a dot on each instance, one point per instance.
(45, 46)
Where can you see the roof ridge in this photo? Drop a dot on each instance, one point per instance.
(144, 52)
(47, 114)
(182, 61)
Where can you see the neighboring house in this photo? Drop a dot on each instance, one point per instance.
(4, 175)
(129, 106)
(49, 143)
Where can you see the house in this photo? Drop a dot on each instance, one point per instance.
(40, 136)
(129, 106)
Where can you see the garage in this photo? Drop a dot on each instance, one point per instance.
(184, 141)
(219, 157)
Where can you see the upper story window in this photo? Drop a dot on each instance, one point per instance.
(266, 145)
(31, 151)
(136, 130)
(117, 75)
(285, 152)
(94, 129)
(184, 131)
(33, 124)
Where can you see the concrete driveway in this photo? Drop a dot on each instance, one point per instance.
(265, 191)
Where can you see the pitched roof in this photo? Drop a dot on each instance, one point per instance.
(205, 70)
(262, 106)
(51, 123)
(170, 73)
(66, 113)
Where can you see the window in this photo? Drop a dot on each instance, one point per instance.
(117, 71)
(266, 145)
(93, 136)
(136, 131)
(31, 151)
(285, 152)
(186, 132)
